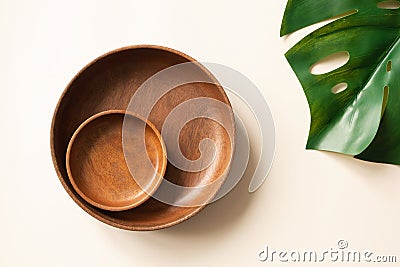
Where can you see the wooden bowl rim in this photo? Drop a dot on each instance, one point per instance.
(52, 135)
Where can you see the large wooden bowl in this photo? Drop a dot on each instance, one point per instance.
(108, 83)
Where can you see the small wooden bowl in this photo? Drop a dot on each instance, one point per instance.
(96, 164)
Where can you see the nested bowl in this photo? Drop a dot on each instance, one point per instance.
(96, 163)
(109, 83)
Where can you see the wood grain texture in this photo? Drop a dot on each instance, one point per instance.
(108, 83)
(96, 163)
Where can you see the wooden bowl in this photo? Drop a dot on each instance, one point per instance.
(96, 163)
(108, 83)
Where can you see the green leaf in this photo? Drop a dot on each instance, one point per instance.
(364, 119)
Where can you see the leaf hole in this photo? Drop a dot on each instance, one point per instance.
(385, 99)
(330, 63)
(389, 66)
(391, 4)
(339, 88)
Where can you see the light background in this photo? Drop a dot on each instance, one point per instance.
(310, 200)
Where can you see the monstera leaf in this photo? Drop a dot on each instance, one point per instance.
(364, 119)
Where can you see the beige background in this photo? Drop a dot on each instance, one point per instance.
(310, 200)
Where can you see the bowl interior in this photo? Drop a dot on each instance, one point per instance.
(108, 83)
(96, 164)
